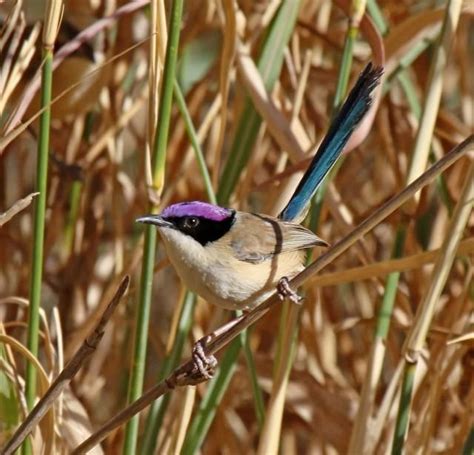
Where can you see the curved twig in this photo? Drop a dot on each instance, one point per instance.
(187, 374)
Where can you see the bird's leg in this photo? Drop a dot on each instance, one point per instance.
(285, 291)
(204, 362)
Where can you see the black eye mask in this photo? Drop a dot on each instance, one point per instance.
(201, 229)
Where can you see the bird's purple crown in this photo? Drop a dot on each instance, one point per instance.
(199, 209)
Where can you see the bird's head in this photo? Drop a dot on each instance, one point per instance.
(200, 221)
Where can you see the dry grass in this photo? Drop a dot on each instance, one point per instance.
(98, 185)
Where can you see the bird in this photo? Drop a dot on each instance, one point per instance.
(236, 259)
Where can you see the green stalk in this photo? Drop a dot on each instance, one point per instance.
(386, 309)
(384, 317)
(214, 393)
(425, 312)
(469, 444)
(377, 16)
(51, 25)
(346, 65)
(358, 436)
(385, 313)
(257, 393)
(194, 141)
(410, 93)
(140, 336)
(52, 18)
(158, 408)
(406, 61)
(341, 89)
(74, 200)
(403, 415)
(38, 225)
(158, 170)
(245, 339)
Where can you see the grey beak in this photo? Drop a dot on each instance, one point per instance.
(156, 220)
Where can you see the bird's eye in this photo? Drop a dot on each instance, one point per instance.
(191, 222)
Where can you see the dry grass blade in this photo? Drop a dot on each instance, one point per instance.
(182, 420)
(367, 272)
(465, 338)
(17, 207)
(43, 387)
(67, 374)
(423, 26)
(433, 98)
(228, 52)
(277, 124)
(9, 79)
(13, 133)
(8, 28)
(68, 49)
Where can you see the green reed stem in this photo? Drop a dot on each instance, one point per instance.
(71, 221)
(208, 406)
(403, 415)
(346, 65)
(158, 408)
(257, 393)
(32, 341)
(192, 134)
(158, 171)
(39, 225)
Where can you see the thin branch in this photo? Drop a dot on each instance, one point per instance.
(187, 373)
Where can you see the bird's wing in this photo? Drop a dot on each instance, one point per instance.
(265, 236)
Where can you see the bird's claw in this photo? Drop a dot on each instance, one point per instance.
(285, 291)
(204, 363)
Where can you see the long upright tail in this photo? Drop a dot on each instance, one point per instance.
(349, 116)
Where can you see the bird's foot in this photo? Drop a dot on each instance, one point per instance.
(286, 292)
(205, 364)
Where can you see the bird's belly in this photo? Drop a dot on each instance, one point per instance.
(234, 284)
(217, 284)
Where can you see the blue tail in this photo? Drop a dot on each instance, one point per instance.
(351, 113)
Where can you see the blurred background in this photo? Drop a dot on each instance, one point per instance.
(261, 81)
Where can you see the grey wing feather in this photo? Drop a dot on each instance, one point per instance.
(297, 237)
(264, 236)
